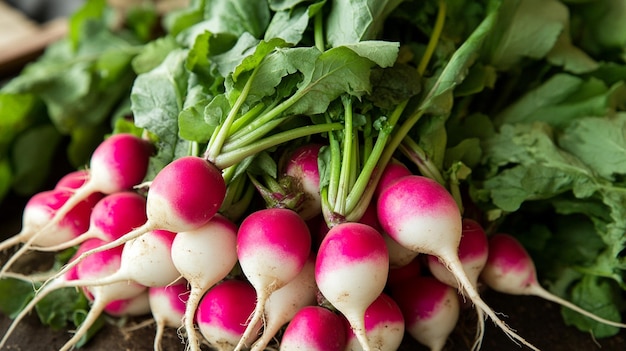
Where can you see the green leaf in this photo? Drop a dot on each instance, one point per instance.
(598, 142)
(523, 32)
(157, 98)
(32, 154)
(597, 295)
(290, 23)
(153, 54)
(14, 295)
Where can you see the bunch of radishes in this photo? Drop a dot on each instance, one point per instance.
(163, 247)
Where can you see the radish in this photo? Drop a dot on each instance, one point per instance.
(183, 196)
(223, 312)
(72, 180)
(430, 309)
(118, 163)
(38, 212)
(167, 305)
(113, 216)
(393, 171)
(146, 260)
(135, 306)
(511, 270)
(351, 272)
(398, 255)
(420, 214)
(473, 252)
(95, 266)
(384, 324)
(204, 256)
(315, 328)
(273, 246)
(285, 302)
(301, 166)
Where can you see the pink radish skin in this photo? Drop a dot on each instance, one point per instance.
(134, 306)
(203, 257)
(351, 272)
(39, 211)
(430, 308)
(183, 196)
(223, 312)
(302, 167)
(384, 324)
(113, 216)
(96, 266)
(422, 215)
(273, 246)
(73, 180)
(285, 302)
(167, 305)
(473, 252)
(511, 270)
(392, 172)
(315, 328)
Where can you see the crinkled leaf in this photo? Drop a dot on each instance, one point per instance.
(290, 24)
(157, 98)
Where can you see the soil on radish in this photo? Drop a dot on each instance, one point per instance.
(537, 320)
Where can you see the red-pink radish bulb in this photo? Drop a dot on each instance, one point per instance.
(134, 306)
(72, 180)
(40, 209)
(509, 268)
(473, 252)
(223, 313)
(315, 328)
(185, 194)
(384, 324)
(272, 245)
(351, 271)
(117, 214)
(393, 171)
(302, 167)
(430, 309)
(120, 162)
(416, 203)
(167, 303)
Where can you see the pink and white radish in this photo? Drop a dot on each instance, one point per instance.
(145, 260)
(302, 168)
(167, 305)
(135, 306)
(473, 252)
(285, 302)
(96, 266)
(204, 256)
(72, 180)
(351, 272)
(223, 312)
(113, 216)
(39, 211)
(397, 275)
(430, 309)
(273, 246)
(118, 163)
(420, 214)
(384, 325)
(315, 328)
(183, 196)
(511, 270)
